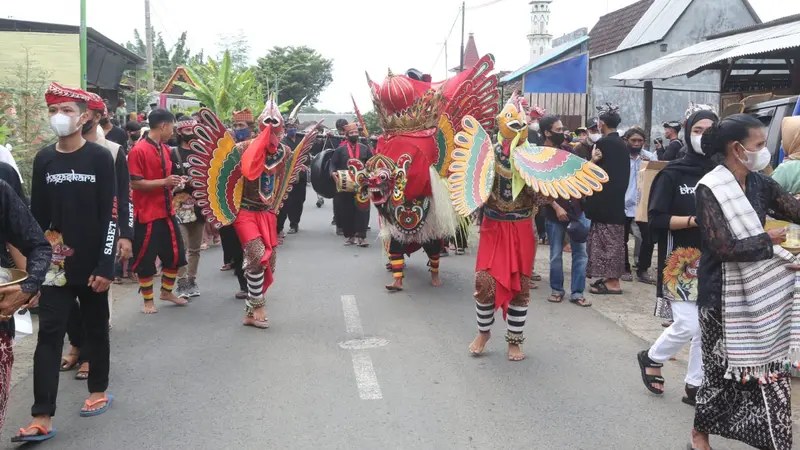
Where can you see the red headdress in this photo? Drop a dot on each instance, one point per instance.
(243, 116)
(96, 103)
(186, 127)
(537, 112)
(56, 94)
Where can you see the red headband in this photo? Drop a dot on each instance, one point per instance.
(96, 103)
(56, 94)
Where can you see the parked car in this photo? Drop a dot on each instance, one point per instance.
(772, 113)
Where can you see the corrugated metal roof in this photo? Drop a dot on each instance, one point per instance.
(655, 23)
(706, 53)
(549, 56)
(611, 29)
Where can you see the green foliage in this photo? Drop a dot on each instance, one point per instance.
(165, 60)
(239, 48)
(223, 88)
(372, 123)
(24, 119)
(296, 71)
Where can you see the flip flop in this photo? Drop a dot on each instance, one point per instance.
(555, 298)
(108, 399)
(41, 437)
(81, 375)
(66, 366)
(391, 288)
(602, 289)
(582, 302)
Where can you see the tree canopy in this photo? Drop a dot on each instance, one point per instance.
(165, 60)
(296, 71)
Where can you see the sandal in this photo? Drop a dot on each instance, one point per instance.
(601, 289)
(67, 363)
(646, 363)
(43, 435)
(87, 404)
(82, 375)
(691, 395)
(555, 297)
(536, 277)
(582, 302)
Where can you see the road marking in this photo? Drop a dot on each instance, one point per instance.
(352, 320)
(366, 379)
(368, 387)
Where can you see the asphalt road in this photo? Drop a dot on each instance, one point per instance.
(346, 365)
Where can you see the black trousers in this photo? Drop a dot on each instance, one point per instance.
(75, 332)
(645, 249)
(293, 207)
(432, 248)
(351, 219)
(160, 239)
(54, 312)
(233, 254)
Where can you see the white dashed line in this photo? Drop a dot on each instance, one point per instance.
(366, 379)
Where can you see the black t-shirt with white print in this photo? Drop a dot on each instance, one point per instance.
(73, 198)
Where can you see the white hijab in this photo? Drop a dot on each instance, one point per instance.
(8, 158)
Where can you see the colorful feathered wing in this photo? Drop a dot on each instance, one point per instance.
(475, 95)
(216, 170)
(557, 173)
(471, 167)
(288, 172)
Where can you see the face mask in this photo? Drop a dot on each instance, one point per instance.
(595, 137)
(535, 126)
(135, 136)
(88, 127)
(697, 144)
(352, 139)
(634, 150)
(63, 125)
(557, 138)
(756, 160)
(241, 135)
(291, 132)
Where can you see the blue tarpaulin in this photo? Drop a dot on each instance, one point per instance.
(565, 77)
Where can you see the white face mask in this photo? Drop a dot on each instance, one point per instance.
(595, 137)
(697, 144)
(534, 126)
(756, 161)
(63, 125)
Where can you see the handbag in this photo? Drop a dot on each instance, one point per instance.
(577, 231)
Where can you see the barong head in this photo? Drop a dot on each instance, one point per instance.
(406, 104)
(513, 119)
(387, 179)
(271, 117)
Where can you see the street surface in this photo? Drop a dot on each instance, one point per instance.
(346, 365)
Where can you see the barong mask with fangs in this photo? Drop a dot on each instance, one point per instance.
(387, 179)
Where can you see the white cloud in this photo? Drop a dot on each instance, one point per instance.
(360, 35)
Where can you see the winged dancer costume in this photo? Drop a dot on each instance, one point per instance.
(246, 184)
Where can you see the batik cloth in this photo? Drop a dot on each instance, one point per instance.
(758, 415)
(606, 251)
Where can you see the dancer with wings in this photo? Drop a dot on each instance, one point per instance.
(246, 184)
(510, 180)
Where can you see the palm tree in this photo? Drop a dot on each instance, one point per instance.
(224, 89)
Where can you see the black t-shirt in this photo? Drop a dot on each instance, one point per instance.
(73, 199)
(608, 205)
(118, 135)
(672, 150)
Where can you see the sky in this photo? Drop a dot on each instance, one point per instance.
(359, 35)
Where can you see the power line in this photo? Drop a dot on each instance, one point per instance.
(471, 8)
(445, 41)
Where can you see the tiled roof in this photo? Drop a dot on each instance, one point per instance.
(613, 27)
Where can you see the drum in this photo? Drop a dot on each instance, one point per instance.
(321, 179)
(344, 181)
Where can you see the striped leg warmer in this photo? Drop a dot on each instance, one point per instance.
(255, 292)
(485, 316)
(434, 263)
(396, 261)
(168, 277)
(146, 288)
(516, 323)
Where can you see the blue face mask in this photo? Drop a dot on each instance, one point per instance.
(291, 132)
(241, 135)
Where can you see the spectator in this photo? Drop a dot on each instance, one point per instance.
(787, 174)
(606, 209)
(673, 148)
(643, 249)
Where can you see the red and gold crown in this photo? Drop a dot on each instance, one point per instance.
(407, 105)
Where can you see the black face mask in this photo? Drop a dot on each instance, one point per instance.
(352, 139)
(135, 136)
(634, 150)
(556, 138)
(87, 127)
(172, 142)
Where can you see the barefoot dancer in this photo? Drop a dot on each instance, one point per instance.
(72, 197)
(250, 194)
(520, 178)
(156, 231)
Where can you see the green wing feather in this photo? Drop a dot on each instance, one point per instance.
(557, 173)
(471, 167)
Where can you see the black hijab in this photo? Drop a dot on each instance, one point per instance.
(694, 161)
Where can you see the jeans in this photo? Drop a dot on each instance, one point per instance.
(555, 233)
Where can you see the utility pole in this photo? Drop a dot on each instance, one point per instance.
(463, 9)
(83, 45)
(149, 39)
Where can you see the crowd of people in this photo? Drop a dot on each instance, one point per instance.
(108, 202)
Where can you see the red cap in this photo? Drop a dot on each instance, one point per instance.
(56, 94)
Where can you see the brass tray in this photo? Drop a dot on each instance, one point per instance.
(9, 277)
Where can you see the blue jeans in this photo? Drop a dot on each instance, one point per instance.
(556, 232)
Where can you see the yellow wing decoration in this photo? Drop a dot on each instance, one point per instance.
(557, 173)
(471, 167)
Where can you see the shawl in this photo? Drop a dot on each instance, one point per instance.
(760, 301)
